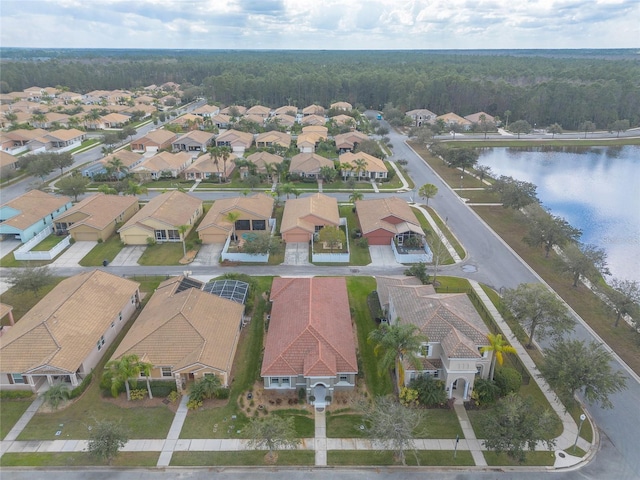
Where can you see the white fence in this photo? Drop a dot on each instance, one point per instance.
(425, 257)
(245, 257)
(25, 253)
(333, 257)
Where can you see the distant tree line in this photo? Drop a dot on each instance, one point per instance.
(568, 90)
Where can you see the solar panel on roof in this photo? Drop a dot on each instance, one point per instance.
(187, 282)
(230, 289)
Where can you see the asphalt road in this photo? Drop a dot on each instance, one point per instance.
(489, 261)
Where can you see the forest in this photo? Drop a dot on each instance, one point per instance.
(540, 86)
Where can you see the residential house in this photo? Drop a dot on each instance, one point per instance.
(30, 213)
(383, 220)
(185, 334)
(162, 165)
(314, 120)
(188, 121)
(303, 217)
(454, 329)
(61, 140)
(96, 217)
(310, 342)
(272, 139)
(261, 160)
(16, 141)
(64, 336)
(144, 100)
(238, 110)
(348, 142)
(153, 141)
(346, 106)
(286, 121)
(69, 97)
(321, 131)
(422, 116)
(308, 165)
(238, 141)
(8, 164)
(313, 110)
(114, 120)
(310, 137)
(51, 120)
(289, 110)
(254, 216)
(207, 167)
(451, 119)
(221, 120)
(363, 165)
(207, 111)
(193, 141)
(259, 110)
(128, 159)
(257, 119)
(476, 118)
(147, 110)
(6, 311)
(341, 120)
(159, 219)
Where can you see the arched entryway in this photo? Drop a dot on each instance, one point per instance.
(459, 389)
(320, 393)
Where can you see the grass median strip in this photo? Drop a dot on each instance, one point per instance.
(77, 459)
(424, 458)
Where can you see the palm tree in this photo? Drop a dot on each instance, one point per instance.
(225, 153)
(287, 189)
(134, 188)
(182, 229)
(355, 196)
(360, 165)
(117, 165)
(124, 371)
(214, 154)
(232, 217)
(346, 168)
(498, 346)
(395, 344)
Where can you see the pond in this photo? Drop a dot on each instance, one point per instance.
(596, 189)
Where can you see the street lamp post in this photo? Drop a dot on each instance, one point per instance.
(461, 178)
(583, 417)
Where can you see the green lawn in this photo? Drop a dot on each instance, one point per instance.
(532, 459)
(9, 261)
(10, 413)
(162, 254)
(22, 302)
(480, 196)
(77, 459)
(432, 239)
(337, 185)
(243, 458)
(103, 251)
(424, 458)
(359, 288)
(359, 254)
(48, 243)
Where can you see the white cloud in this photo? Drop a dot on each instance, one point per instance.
(327, 24)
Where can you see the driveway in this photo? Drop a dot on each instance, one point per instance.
(382, 256)
(296, 253)
(128, 256)
(8, 245)
(72, 255)
(208, 255)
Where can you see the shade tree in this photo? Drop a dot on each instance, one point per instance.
(549, 231)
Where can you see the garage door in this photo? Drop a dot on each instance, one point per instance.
(292, 237)
(213, 238)
(85, 237)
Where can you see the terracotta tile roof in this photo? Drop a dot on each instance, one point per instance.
(65, 135)
(172, 208)
(156, 137)
(254, 118)
(341, 106)
(7, 159)
(205, 164)
(62, 329)
(310, 330)
(371, 214)
(236, 137)
(448, 319)
(206, 110)
(284, 110)
(259, 205)
(127, 157)
(115, 118)
(374, 164)
(33, 207)
(296, 211)
(165, 161)
(101, 210)
(259, 159)
(313, 110)
(178, 330)
(350, 138)
(23, 135)
(343, 119)
(260, 110)
(475, 117)
(309, 163)
(197, 136)
(451, 117)
(241, 110)
(285, 120)
(278, 138)
(315, 120)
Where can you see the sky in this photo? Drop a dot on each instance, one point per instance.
(320, 24)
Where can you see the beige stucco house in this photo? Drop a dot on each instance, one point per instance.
(303, 217)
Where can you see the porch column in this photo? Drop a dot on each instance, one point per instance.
(49, 380)
(74, 379)
(178, 378)
(29, 380)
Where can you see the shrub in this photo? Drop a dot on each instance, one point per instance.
(302, 394)
(362, 242)
(15, 394)
(431, 391)
(508, 380)
(173, 396)
(222, 393)
(161, 388)
(138, 393)
(408, 396)
(151, 241)
(56, 395)
(194, 404)
(485, 391)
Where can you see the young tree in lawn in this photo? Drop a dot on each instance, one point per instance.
(41, 166)
(625, 298)
(520, 126)
(427, 191)
(273, 433)
(262, 243)
(619, 126)
(129, 131)
(61, 160)
(391, 425)
(507, 114)
(29, 279)
(440, 253)
(483, 171)
(538, 310)
(587, 127)
(72, 186)
(554, 129)
(571, 366)
(549, 231)
(332, 236)
(395, 344)
(182, 230)
(498, 345)
(106, 439)
(582, 260)
(516, 425)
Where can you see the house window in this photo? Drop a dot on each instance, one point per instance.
(436, 374)
(343, 378)
(173, 234)
(120, 316)
(100, 343)
(161, 235)
(318, 228)
(166, 371)
(243, 225)
(17, 378)
(259, 224)
(425, 350)
(274, 381)
(113, 324)
(479, 370)
(285, 381)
